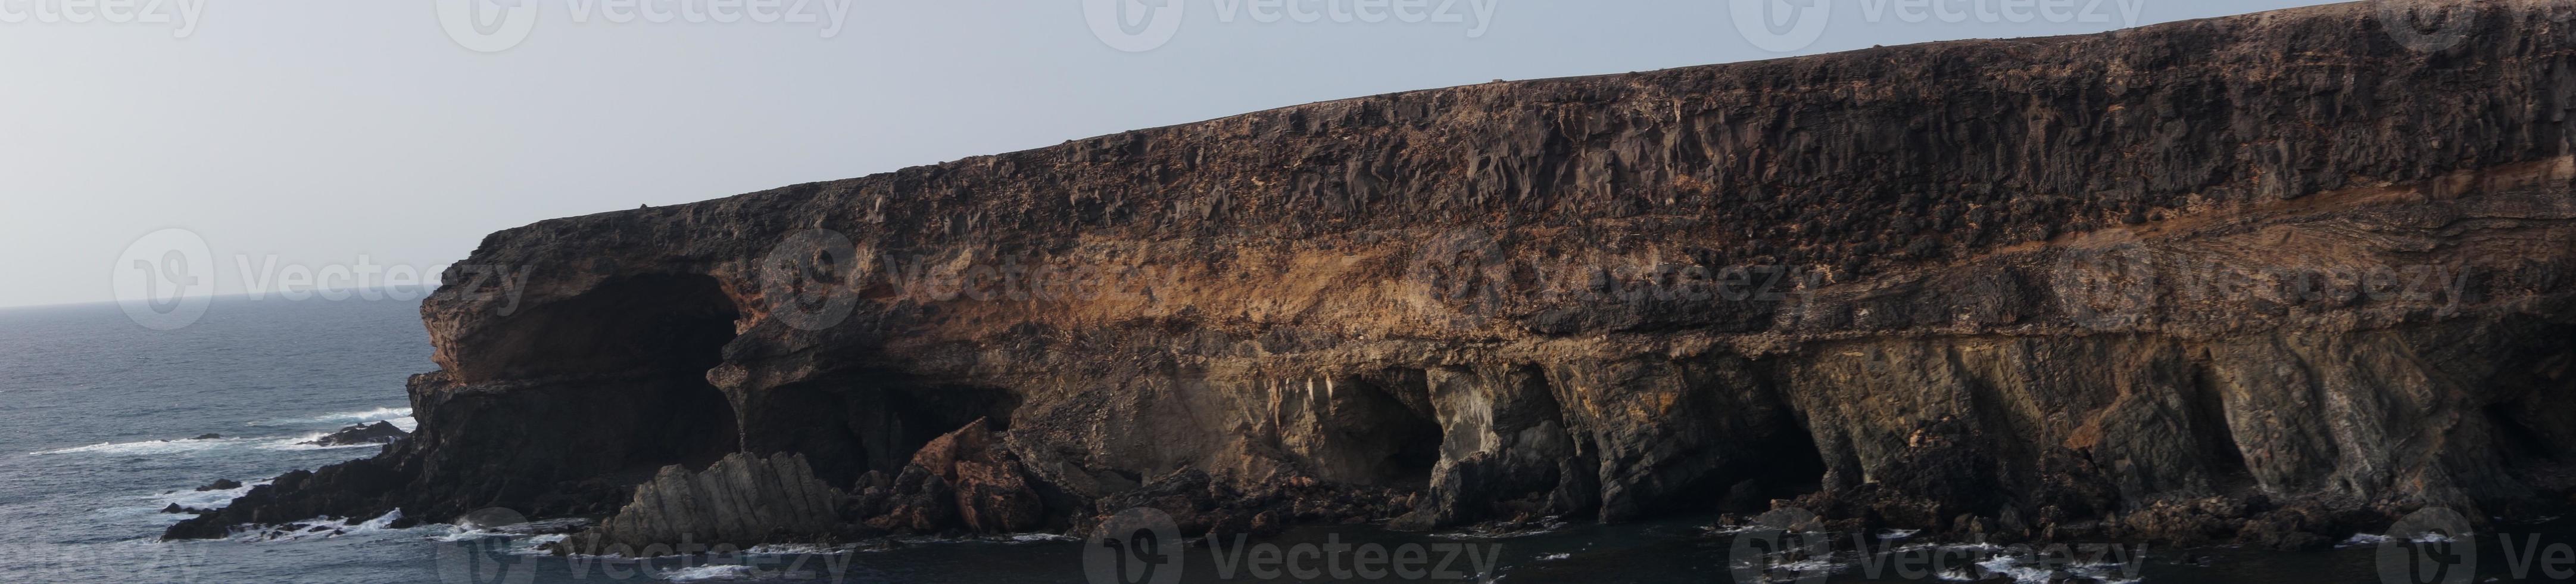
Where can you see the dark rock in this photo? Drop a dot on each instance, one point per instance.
(741, 501)
(208, 436)
(220, 485)
(377, 433)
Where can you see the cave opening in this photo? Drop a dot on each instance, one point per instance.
(651, 340)
(1379, 431)
(849, 424)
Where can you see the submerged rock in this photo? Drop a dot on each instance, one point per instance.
(220, 485)
(377, 433)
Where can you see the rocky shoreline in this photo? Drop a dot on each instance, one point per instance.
(2269, 279)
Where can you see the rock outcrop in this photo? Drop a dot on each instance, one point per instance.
(959, 482)
(356, 434)
(741, 501)
(2227, 278)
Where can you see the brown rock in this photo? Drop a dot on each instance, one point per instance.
(1613, 296)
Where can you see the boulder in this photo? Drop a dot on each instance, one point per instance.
(957, 482)
(377, 433)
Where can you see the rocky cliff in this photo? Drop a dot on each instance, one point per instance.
(2234, 278)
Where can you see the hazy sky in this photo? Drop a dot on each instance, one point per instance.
(324, 132)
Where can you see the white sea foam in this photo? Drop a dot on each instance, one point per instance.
(1554, 557)
(147, 447)
(320, 528)
(2018, 568)
(779, 549)
(365, 417)
(215, 499)
(406, 423)
(2362, 539)
(299, 443)
(708, 572)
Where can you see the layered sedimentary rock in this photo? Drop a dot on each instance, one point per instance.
(2229, 278)
(740, 501)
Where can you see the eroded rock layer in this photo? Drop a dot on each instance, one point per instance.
(2229, 278)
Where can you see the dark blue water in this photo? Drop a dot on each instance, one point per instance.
(97, 417)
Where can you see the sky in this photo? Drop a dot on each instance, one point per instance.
(289, 136)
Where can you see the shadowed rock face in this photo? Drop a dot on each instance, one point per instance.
(740, 501)
(2168, 283)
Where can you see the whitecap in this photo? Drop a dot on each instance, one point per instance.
(368, 416)
(1555, 557)
(146, 447)
(1039, 537)
(321, 528)
(779, 549)
(1544, 525)
(2362, 539)
(302, 443)
(2014, 567)
(204, 500)
(708, 572)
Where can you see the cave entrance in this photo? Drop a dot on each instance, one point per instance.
(1378, 431)
(651, 339)
(864, 421)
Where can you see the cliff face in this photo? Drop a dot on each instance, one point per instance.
(2168, 279)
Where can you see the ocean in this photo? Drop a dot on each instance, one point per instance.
(100, 422)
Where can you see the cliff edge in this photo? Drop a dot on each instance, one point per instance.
(2266, 278)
